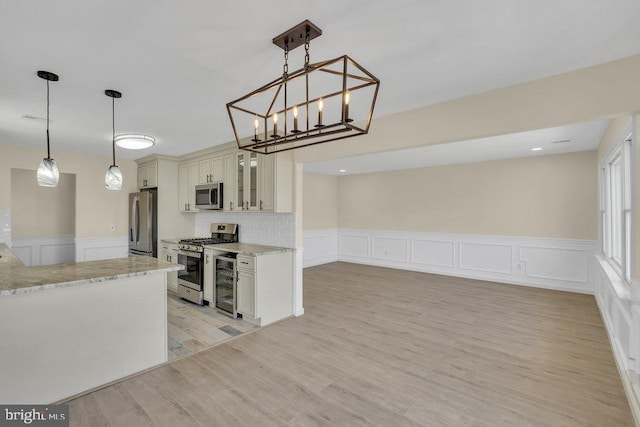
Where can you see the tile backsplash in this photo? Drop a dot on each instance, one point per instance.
(263, 228)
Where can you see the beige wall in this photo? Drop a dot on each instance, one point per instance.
(320, 201)
(602, 91)
(96, 207)
(42, 211)
(542, 196)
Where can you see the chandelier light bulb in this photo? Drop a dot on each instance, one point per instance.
(295, 119)
(256, 125)
(275, 125)
(347, 97)
(320, 107)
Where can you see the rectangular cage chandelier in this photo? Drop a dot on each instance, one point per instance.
(320, 102)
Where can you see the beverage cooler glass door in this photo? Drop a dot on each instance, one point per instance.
(225, 279)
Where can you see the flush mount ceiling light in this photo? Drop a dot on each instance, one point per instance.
(48, 174)
(134, 141)
(320, 102)
(113, 177)
(537, 149)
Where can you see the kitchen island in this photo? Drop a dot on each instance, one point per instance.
(68, 328)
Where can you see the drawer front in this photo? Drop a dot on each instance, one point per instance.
(246, 262)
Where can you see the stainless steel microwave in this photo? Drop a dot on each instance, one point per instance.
(209, 196)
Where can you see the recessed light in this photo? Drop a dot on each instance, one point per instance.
(135, 141)
(343, 170)
(537, 149)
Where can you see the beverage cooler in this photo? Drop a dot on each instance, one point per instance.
(224, 282)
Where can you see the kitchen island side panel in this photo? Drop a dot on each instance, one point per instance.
(60, 342)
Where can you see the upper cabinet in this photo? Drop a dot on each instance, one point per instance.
(250, 183)
(188, 177)
(194, 172)
(148, 175)
(211, 170)
(246, 167)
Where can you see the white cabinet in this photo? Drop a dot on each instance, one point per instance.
(169, 253)
(246, 181)
(265, 287)
(253, 182)
(258, 182)
(229, 186)
(148, 175)
(207, 282)
(267, 184)
(246, 287)
(188, 177)
(211, 170)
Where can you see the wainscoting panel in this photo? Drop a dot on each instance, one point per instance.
(433, 252)
(91, 249)
(486, 257)
(353, 245)
(620, 311)
(561, 264)
(555, 263)
(389, 249)
(47, 250)
(320, 247)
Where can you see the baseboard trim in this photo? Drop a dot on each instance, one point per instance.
(553, 287)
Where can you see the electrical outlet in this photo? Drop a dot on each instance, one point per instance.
(112, 227)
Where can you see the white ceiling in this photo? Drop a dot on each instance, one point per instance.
(178, 63)
(563, 139)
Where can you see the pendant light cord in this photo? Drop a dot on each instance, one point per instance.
(113, 128)
(48, 149)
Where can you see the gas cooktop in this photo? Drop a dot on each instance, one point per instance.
(220, 233)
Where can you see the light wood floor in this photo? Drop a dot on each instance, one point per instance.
(388, 347)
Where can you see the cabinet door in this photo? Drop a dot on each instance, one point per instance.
(267, 182)
(183, 191)
(208, 276)
(206, 172)
(246, 290)
(194, 176)
(229, 187)
(241, 160)
(142, 176)
(217, 172)
(152, 175)
(251, 182)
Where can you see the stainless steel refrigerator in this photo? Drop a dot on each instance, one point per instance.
(143, 223)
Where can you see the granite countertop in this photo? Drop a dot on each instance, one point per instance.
(172, 241)
(15, 278)
(249, 249)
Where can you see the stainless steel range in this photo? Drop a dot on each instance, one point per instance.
(190, 254)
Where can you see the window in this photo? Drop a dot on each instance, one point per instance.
(615, 208)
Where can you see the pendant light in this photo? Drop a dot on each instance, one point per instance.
(48, 174)
(113, 177)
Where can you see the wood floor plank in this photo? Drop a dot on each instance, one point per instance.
(384, 347)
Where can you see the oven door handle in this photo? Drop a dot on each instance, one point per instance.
(190, 254)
